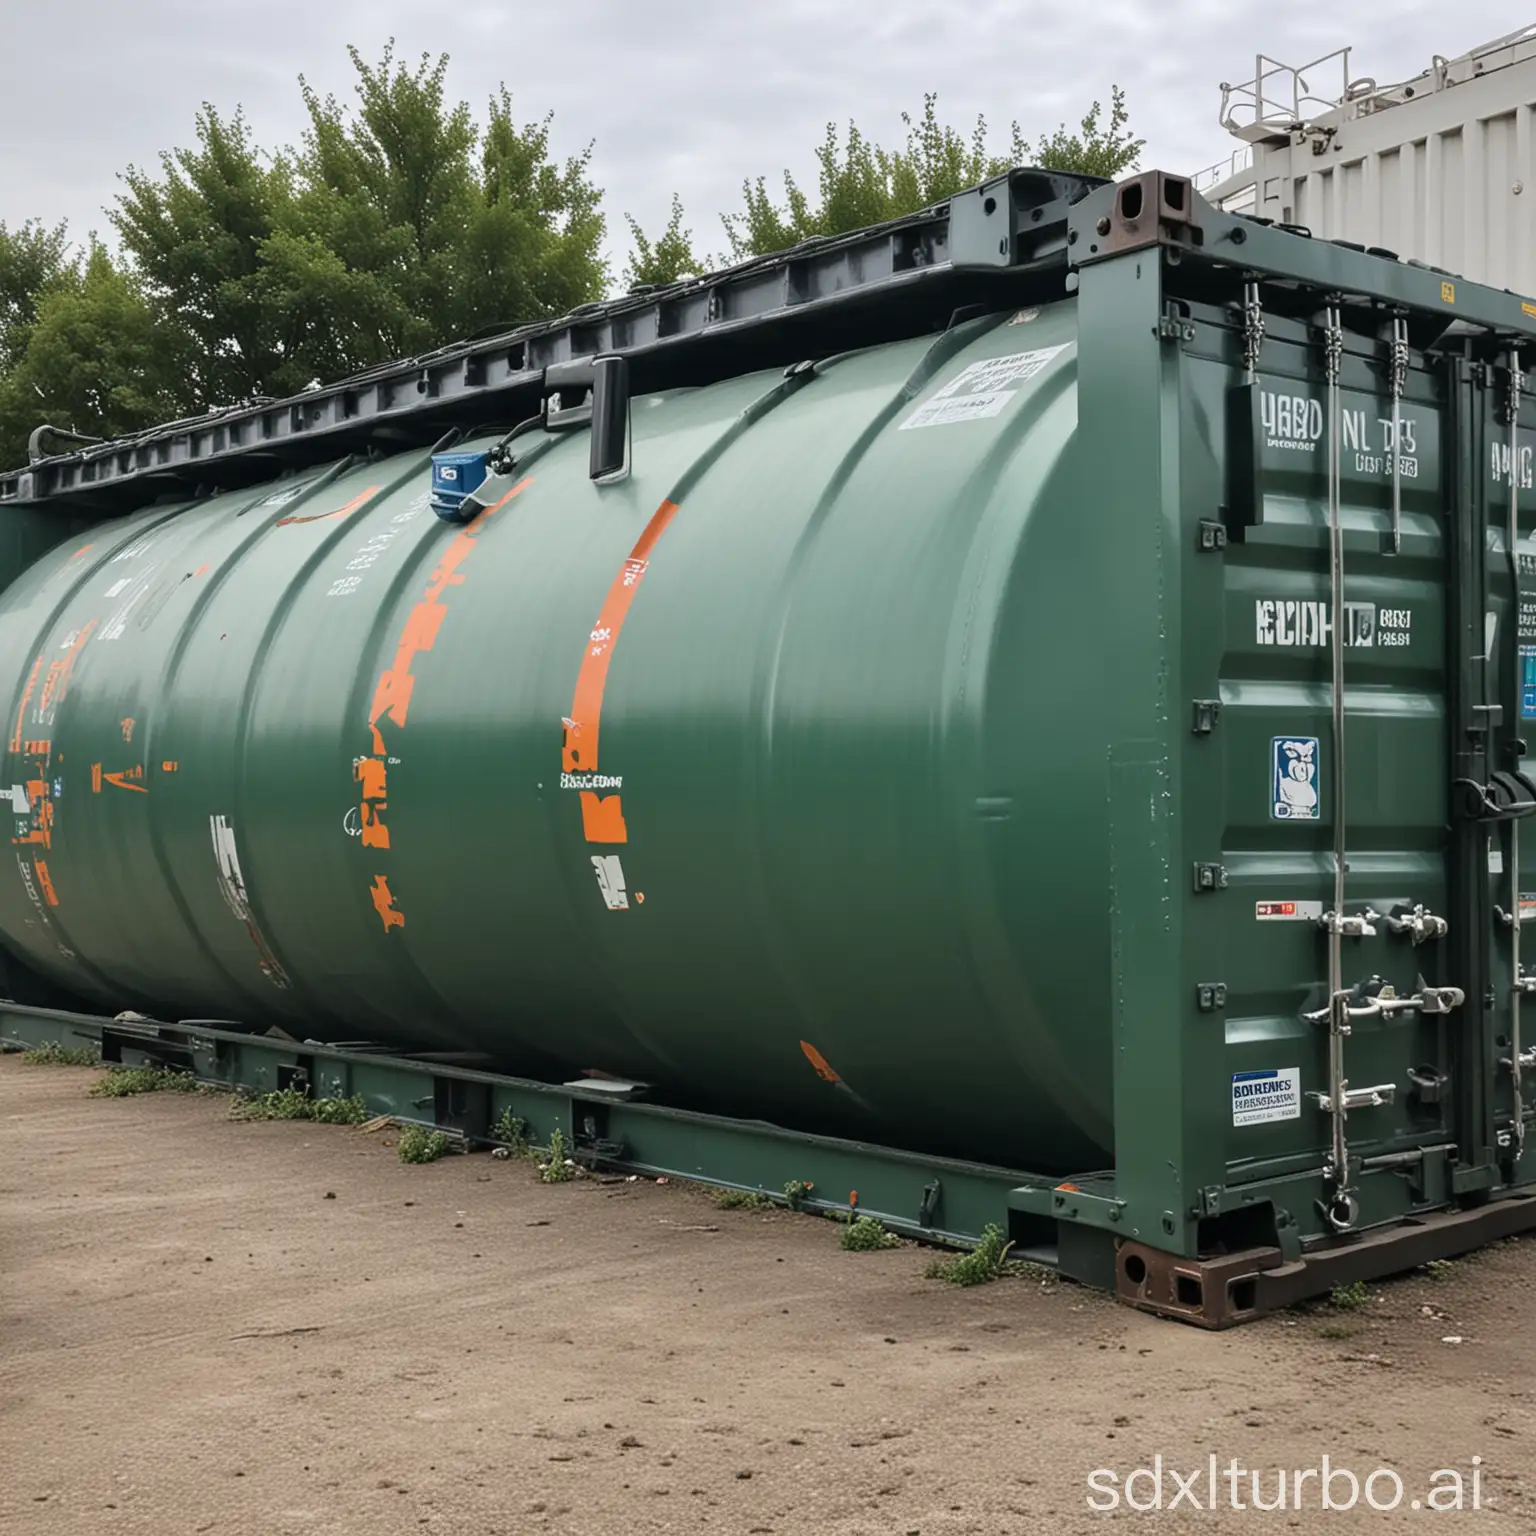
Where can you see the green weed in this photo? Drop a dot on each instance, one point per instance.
(1337, 1331)
(419, 1145)
(512, 1132)
(741, 1200)
(1441, 1269)
(1350, 1298)
(984, 1263)
(52, 1054)
(121, 1082)
(795, 1192)
(866, 1235)
(555, 1163)
(292, 1104)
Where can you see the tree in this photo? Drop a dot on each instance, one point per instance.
(1106, 151)
(33, 261)
(533, 244)
(97, 360)
(197, 233)
(395, 227)
(666, 258)
(860, 183)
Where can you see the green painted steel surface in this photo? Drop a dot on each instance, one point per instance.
(844, 765)
(849, 820)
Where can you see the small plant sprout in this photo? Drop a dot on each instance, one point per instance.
(292, 1104)
(511, 1131)
(52, 1054)
(796, 1191)
(741, 1200)
(1350, 1298)
(864, 1234)
(123, 1082)
(555, 1166)
(984, 1263)
(417, 1144)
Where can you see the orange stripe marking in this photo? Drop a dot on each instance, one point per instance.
(817, 1060)
(26, 698)
(324, 517)
(395, 687)
(384, 904)
(579, 753)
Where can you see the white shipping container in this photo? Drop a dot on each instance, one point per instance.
(1437, 169)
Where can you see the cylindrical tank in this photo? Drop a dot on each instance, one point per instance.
(771, 775)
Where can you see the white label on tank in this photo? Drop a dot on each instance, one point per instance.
(1261, 1097)
(17, 795)
(610, 881)
(979, 389)
(1287, 911)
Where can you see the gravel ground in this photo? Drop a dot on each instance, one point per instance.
(209, 1326)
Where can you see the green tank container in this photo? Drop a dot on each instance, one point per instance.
(934, 743)
(724, 778)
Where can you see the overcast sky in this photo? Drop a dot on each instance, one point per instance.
(685, 95)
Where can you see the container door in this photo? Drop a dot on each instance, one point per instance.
(1369, 675)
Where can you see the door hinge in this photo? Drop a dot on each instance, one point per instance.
(1213, 536)
(1207, 716)
(1210, 877)
(1211, 996)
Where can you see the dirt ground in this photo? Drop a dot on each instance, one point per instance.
(209, 1326)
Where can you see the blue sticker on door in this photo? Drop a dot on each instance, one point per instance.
(1528, 682)
(1294, 787)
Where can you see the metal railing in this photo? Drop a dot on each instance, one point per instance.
(1279, 95)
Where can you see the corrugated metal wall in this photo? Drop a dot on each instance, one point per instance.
(1446, 179)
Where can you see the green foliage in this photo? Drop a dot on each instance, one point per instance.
(1350, 1298)
(34, 260)
(666, 258)
(512, 1132)
(291, 1104)
(555, 1163)
(1098, 148)
(97, 360)
(349, 1111)
(795, 1192)
(984, 1263)
(122, 1082)
(864, 1234)
(419, 1145)
(861, 183)
(397, 225)
(1441, 1269)
(52, 1054)
(1335, 1331)
(741, 1200)
(197, 232)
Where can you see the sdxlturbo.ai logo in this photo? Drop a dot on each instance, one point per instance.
(1326, 1487)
